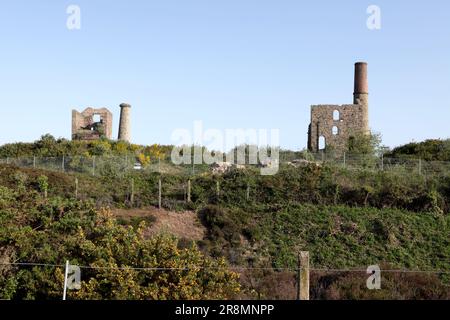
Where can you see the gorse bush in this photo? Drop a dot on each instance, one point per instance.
(55, 230)
(48, 146)
(429, 150)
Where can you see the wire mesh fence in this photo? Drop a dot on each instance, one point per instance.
(98, 165)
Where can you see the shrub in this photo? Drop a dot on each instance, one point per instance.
(60, 230)
(43, 185)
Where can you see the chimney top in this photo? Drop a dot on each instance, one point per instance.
(361, 83)
(125, 105)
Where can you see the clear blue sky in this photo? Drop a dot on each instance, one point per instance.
(229, 63)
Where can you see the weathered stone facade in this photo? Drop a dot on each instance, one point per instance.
(84, 127)
(333, 125)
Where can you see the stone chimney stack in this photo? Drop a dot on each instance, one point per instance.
(361, 93)
(361, 84)
(125, 123)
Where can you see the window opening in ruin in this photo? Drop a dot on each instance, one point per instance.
(322, 143)
(96, 118)
(336, 115)
(335, 130)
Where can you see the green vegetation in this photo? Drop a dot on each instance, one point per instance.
(429, 150)
(49, 147)
(339, 236)
(346, 218)
(365, 144)
(50, 231)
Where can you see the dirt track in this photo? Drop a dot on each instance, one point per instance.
(181, 224)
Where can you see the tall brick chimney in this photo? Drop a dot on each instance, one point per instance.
(361, 93)
(125, 123)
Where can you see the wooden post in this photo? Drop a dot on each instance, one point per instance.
(420, 166)
(93, 166)
(159, 165)
(248, 192)
(218, 189)
(304, 275)
(189, 191)
(62, 164)
(76, 188)
(160, 194)
(34, 162)
(345, 159)
(382, 162)
(298, 277)
(132, 192)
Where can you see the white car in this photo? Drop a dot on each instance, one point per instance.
(137, 166)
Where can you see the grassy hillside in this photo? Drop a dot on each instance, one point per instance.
(347, 219)
(337, 236)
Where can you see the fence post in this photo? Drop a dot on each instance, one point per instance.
(62, 164)
(303, 276)
(298, 277)
(345, 159)
(382, 162)
(34, 162)
(93, 165)
(76, 188)
(189, 191)
(7, 160)
(132, 192)
(159, 193)
(248, 192)
(218, 189)
(420, 166)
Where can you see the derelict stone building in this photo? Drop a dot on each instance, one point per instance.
(333, 125)
(93, 124)
(85, 126)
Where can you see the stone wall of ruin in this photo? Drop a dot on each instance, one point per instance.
(82, 120)
(352, 119)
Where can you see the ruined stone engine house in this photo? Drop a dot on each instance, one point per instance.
(333, 125)
(86, 126)
(94, 124)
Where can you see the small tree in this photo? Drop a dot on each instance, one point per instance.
(365, 144)
(21, 179)
(43, 185)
